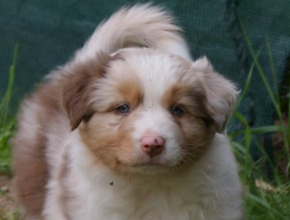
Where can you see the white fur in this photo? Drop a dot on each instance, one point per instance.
(208, 191)
(155, 118)
(140, 25)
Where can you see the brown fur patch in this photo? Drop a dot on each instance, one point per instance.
(190, 97)
(131, 92)
(30, 166)
(30, 177)
(196, 124)
(197, 138)
(78, 87)
(220, 93)
(108, 136)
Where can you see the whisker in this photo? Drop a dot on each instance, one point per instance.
(197, 145)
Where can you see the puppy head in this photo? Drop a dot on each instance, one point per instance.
(144, 111)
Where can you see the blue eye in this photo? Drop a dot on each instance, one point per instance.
(176, 110)
(123, 109)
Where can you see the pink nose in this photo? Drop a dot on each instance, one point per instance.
(152, 145)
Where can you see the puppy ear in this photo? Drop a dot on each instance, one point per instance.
(220, 94)
(78, 88)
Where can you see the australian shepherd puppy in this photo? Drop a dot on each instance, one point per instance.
(130, 129)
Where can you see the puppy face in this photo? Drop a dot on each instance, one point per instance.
(146, 111)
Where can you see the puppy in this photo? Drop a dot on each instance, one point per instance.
(130, 129)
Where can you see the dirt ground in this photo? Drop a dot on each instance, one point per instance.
(8, 207)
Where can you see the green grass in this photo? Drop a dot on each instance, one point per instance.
(264, 199)
(7, 126)
(7, 121)
(10, 215)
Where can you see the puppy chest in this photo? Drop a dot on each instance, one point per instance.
(124, 203)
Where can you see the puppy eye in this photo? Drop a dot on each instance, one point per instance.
(176, 110)
(123, 109)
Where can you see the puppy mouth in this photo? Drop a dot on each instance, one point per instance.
(149, 164)
(145, 164)
(148, 168)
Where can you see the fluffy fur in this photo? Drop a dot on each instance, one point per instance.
(79, 151)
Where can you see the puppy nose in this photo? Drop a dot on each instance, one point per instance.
(152, 145)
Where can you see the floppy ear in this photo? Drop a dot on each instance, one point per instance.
(78, 88)
(219, 93)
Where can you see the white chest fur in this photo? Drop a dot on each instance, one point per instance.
(209, 191)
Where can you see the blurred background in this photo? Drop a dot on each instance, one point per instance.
(246, 41)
